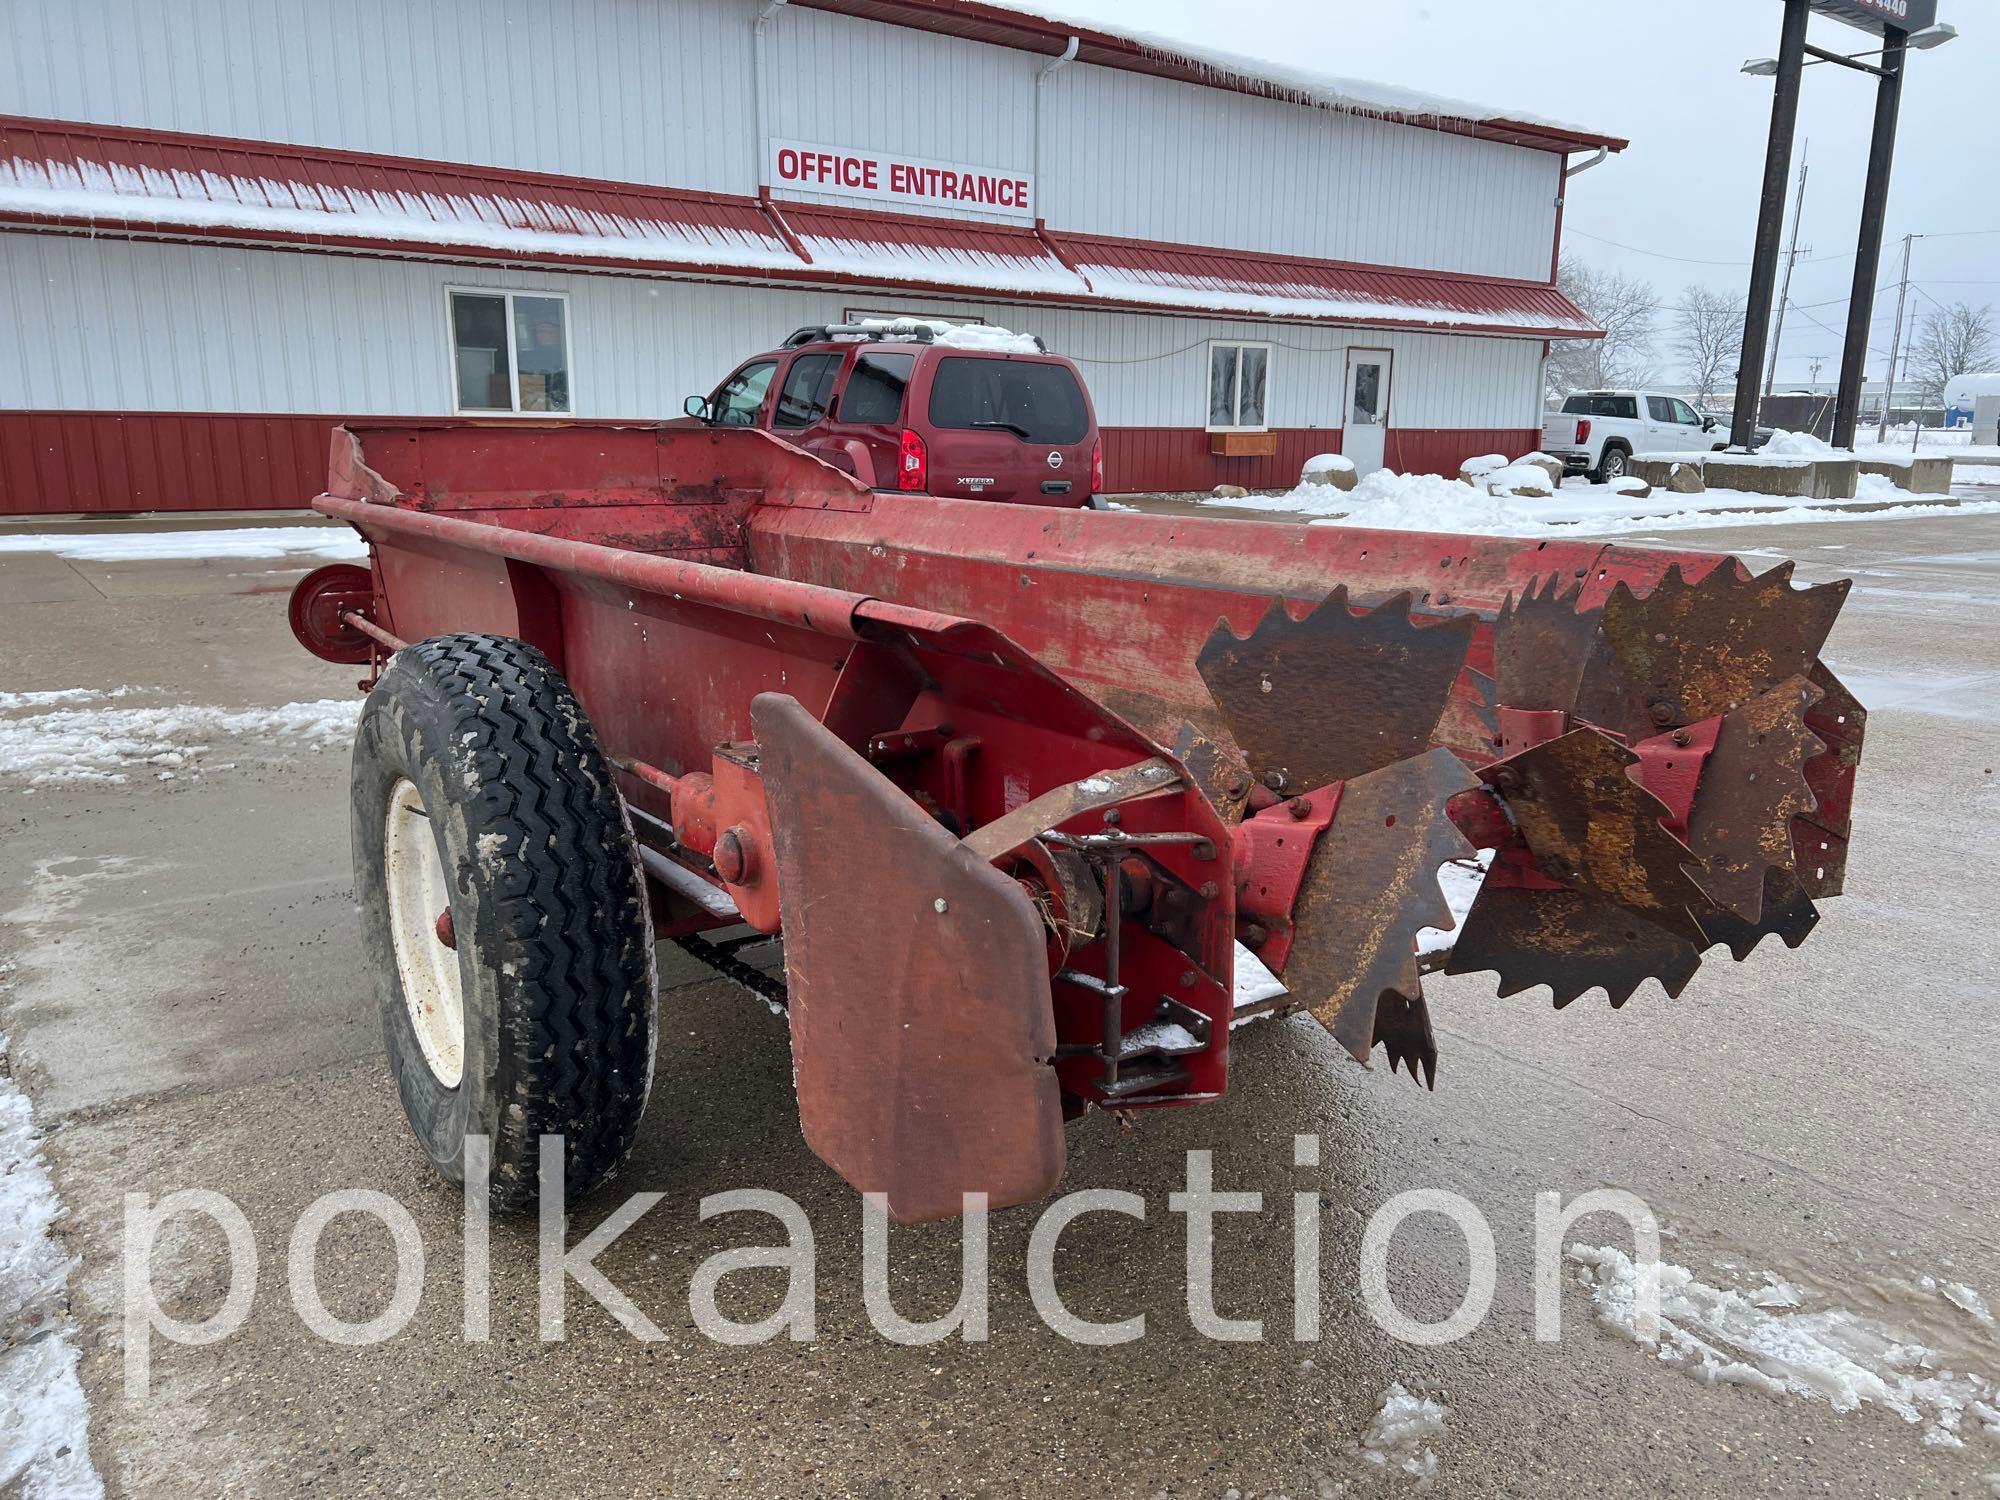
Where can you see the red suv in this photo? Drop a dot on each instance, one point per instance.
(964, 412)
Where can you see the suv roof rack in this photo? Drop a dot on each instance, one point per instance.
(902, 333)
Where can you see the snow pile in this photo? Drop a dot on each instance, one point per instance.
(1768, 1341)
(1521, 478)
(15, 702)
(330, 542)
(1429, 502)
(1328, 463)
(44, 1443)
(74, 744)
(987, 338)
(1785, 444)
(1401, 1433)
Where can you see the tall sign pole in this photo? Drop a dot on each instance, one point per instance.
(1868, 260)
(1770, 223)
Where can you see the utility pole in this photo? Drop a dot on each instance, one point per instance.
(1874, 209)
(1896, 344)
(1770, 223)
(1791, 260)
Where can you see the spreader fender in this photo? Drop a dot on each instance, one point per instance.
(923, 1027)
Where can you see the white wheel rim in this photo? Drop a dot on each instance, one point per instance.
(433, 992)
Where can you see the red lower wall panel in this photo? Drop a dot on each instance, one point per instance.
(105, 462)
(1177, 458)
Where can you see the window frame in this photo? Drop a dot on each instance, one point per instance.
(834, 359)
(757, 411)
(1208, 376)
(507, 294)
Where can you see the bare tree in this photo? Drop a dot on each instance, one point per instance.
(1708, 336)
(1951, 341)
(1626, 309)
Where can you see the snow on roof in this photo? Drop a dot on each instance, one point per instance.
(1261, 75)
(105, 179)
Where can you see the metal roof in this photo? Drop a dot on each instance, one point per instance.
(109, 180)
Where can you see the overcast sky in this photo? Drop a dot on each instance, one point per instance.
(1666, 77)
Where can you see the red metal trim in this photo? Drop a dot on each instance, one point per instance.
(1021, 31)
(1049, 243)
(828, 611)
(777, 218)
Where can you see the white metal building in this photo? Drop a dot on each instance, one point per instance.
(225, 224)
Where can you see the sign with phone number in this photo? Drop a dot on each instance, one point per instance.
(1873, 15)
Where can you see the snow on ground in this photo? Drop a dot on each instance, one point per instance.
(1402, 1433)
(1773, 1341)
(1460, 881)
(333, 543)
(44, 1444)
(1429, 502)
(82, 739)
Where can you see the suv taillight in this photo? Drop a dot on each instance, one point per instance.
(1583, 431)
(913, 464)
(1097, 468)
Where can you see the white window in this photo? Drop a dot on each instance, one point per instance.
(1238, 381)
(509, 351)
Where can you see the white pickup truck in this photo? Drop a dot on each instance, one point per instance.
(1598, 432)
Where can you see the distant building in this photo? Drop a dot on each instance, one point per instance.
(227, 224)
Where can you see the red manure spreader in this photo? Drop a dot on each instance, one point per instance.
(1016, 785)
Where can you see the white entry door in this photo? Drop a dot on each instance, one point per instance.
(1365, 440)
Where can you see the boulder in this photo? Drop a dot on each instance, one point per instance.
(1229, 492)
(1631, 487)
(1553, 467)
(1680, 476)
(1330, 470)
(1475, 470)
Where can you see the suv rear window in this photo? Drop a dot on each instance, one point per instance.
(875, 389)
(1602, 406)
(1037, 403)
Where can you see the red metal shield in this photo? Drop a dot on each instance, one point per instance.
(923, 1033)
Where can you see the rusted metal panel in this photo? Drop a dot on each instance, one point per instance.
(1752, 789)
(1593, 828)
(1570, 942)
(1697, 648)
(1333, 694)
(928, 976)
(1371, 887)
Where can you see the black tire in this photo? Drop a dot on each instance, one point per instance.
(1612, 464)
(553, 930)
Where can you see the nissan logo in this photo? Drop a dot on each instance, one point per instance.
(1055, 460)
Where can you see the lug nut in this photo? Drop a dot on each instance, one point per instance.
(1682, 737)
(1210, 890)
(1663, 713)
(1301, 807)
